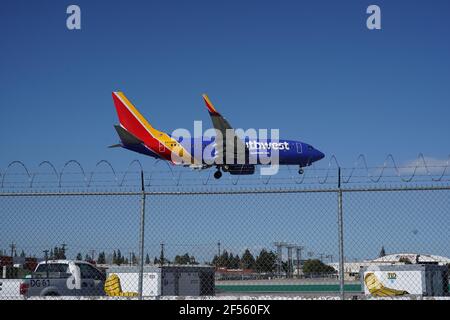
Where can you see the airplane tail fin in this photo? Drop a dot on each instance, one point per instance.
(209, 105)
(134, 129)
(131, 119)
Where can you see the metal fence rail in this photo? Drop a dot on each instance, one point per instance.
(325, 240)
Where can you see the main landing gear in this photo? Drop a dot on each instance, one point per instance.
(301, 171)
(218, 174)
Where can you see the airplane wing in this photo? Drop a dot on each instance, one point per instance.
(231, 143)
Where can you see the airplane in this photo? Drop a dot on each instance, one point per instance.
(136, 134)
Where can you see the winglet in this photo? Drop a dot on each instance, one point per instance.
(209, 105)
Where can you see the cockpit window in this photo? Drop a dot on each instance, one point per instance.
(310, 148)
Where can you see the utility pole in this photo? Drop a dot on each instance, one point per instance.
(141, 237)
(161, 257)
(341, 237)
(299, 257)
(93, 255)
(279, 245)
(218, 249)
(218, 255)
(290, 264)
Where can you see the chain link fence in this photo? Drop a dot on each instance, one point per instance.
(221, 242)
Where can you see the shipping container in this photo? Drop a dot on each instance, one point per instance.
(402, 280)
(167, 280)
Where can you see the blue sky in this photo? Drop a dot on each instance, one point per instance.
(309, 68)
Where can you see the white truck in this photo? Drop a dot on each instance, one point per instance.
(63, 278)
(9, 289)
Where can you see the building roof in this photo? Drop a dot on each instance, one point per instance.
(393, 259)
(413, 257)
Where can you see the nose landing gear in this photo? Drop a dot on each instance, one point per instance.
(218, 174)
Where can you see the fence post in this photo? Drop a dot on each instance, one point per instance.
(341, 237)
(141, 237)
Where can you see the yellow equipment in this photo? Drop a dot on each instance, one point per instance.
(114, 289)
(377, 289)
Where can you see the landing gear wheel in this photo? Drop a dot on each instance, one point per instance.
(217, 174)
(301, 171)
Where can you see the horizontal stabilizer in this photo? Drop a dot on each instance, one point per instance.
(126, 137)
(115, 145)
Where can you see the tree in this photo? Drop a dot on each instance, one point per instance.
(382, 252)
(234, 262)
(184, 259)
(79, 256)
(285, 266)
(114, 257)
(63, 251)
(120, 259)
(101, 258)
(133, 259)
(56, 253)
(155, 261)
(87, 258)
(22, 254)
(223, 260)
(266, 261)
(247, 260)
(214, 261)
(178, 259)
(315, 266)
(230, 261)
